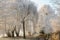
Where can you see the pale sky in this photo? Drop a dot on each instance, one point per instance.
(39, 3)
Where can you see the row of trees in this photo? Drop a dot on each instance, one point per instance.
(49, 18)
(16, 15)
(21, 17)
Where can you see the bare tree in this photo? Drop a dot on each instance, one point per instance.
(46, 12)
(19, 11)
(25, 9)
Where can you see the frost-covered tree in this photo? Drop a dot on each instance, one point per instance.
(45, 13)
(28, 13)
(18, 12)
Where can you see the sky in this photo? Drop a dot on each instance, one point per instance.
(39, 3)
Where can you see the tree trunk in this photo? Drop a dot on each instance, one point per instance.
(9, 34)
(17, 34)
(24, 29)
(13, 33)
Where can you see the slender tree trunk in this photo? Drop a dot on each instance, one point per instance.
(13, 33)
(8, 33)
(24, 29)
(17, 34)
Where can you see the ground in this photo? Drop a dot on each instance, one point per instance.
(18, 39)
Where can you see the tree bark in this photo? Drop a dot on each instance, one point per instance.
(13, 33)
(24, 29)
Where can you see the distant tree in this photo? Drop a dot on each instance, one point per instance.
(45, 14)
(29, 9)
(24, 9)
(20, 10)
